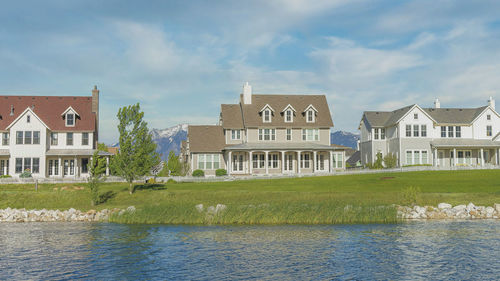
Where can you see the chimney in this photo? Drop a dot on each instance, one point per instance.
(95, 109)
(247, 94)
(11, 110)
(491, 103)
(437, 104)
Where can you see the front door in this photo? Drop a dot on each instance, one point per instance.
(321, 162)
(288, 162)
(4, 167)
(486, 156)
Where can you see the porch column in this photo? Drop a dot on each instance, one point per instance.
(267, 162)
(250, 160)
(315, 156)
(61, 171)
(229, 160)
(298, 161)
(330, 163)
(454, 156)
(435, 157)
(482, 157)
(107, 166)
(282, 162)
(498, 156)
(76, 167)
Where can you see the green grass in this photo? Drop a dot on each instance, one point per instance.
(308, 200)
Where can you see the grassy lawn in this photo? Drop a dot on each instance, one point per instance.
(310, 200)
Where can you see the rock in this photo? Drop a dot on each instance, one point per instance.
(471, 207)
(443, 206)
(131, 209)
(460, 207)
(199, 207)
(211, 210)
(219, 208)
(496, 206)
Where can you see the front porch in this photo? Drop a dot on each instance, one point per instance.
(65, 163)
(250, 160)
(470, 153)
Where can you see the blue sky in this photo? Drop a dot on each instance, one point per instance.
(182, 59)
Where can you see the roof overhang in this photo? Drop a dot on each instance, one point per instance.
(22, 114)
(280, 147)
(464, 143)
(310, 107)
(289, 106)
(76, 152)
(266, 106)
(68, 110)
(4, 152)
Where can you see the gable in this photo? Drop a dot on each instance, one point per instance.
(23, 117)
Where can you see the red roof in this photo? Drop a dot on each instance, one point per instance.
(49, 110)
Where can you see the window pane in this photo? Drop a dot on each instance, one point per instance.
(423, 130)
(408, 130)
(450, 131)
(85, 138)
(36, 137)
(27, 164)
(458, 131)
(19, 137)
(408, 158)
(424, 157)
(27, 137)
(416, 157)
(19, 165)
(69, 138)
(36, 165)
(415, 130)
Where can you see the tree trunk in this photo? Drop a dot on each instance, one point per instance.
(130, 188)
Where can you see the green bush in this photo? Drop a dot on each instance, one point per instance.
(198, 173)
(220, 172)
(26, 174)
(5, 176)
(410, 196)
(171, 181)
(390, 161)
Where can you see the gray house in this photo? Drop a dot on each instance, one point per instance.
(436, 136)
(267, 134)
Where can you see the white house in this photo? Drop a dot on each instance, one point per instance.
(51, 136)
(433, 136)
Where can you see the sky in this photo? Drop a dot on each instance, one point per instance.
(181, 59)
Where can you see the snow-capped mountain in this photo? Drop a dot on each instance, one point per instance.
(345, 138)
(169, 139)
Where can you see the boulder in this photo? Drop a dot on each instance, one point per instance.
(199, 208)
(131, 209)
(496, 206)
(471, 207)
(219, 208)
(443, 206)
(460, 207)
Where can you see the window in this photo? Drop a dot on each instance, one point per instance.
(69, 138)
(69, 167)
(27, 137)
(423, 130)
(489, 131)
(36, 137)
(376, 135)
(458, 132)
(19, 165)
(408, 158)
(382, 134)
(273, 161)
(443, 131)
(337, 160)
(267, 116)
(19, 137)
(36, 166)
(310, 116)
(258, 160)
(288, 116)
(5, 139)
(415, 130)
(54, 167)
(208, 161)
(408, 130)
(424, 156)
(304, 160)
(415, 116)
(488, 117)
(416, 157)
(450, 131)
(288, 134)
(267, 134)
(70, 119)
(53, 138)
(85, 165)
(28, 119)
(85, 138)
(4, 167)
(27, 164)
(310, 134)
(235, 134)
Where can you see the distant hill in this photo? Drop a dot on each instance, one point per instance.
(345, 138)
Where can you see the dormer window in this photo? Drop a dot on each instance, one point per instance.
(289, 116)
(310, 113)
(70, 119)
(266, 116)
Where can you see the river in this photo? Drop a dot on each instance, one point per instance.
(461, 250)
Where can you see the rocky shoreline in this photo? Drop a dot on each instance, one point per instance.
(447, 211)
(71, 215)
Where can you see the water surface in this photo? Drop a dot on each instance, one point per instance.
(420, 250)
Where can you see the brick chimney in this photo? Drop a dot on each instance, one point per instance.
(95, 109)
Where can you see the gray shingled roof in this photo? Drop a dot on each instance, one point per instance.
(231, 116)
(440, 115)
(206, 138)
(253, 118)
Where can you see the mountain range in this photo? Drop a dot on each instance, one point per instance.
(170, 139)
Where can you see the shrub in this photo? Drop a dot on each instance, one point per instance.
(220, 172)
(5, 176)
(26, 174)
(390, 161)
(171, 181)
(410, 196)
(151, 181)
(198, 173)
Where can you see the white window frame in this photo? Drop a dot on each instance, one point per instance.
(338, 160)
(315, 135)
(235, 134)
(375, 134)
(458, 131)
(489, 130)
(258, 160)
(74, 119)
(382, 133)
(409, 131)
(54, 141)
(267, 113)
(410, 154)
(443, 132)
(288, 134)
(415, 116)
(288, 113)
(263, 134)
(310, 112)
(273, 161)
(423, 131)
(305, 163)
(208, 158)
